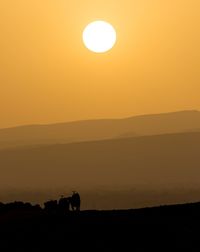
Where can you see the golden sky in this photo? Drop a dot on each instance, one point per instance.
(47, 75)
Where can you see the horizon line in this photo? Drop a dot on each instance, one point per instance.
(98, 119)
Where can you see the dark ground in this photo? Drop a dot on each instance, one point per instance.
(167, 228)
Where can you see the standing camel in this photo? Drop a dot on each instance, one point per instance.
(75, 201)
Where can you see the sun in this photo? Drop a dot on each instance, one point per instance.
(99, 36)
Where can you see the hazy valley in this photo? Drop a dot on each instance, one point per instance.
(120, 172)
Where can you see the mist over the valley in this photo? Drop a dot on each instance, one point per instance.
(144, 161)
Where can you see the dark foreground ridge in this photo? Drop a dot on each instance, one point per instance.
(166, 228)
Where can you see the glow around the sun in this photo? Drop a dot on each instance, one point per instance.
(99, 36)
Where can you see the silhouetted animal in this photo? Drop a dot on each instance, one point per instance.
(64, 204)
(75, 202)
(51, 205)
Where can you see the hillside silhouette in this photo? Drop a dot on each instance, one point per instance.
(166, 228)
(80, 131)
(158, 154)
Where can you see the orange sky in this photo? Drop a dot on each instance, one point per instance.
(47, 75)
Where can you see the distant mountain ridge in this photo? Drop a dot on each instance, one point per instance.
(151, 161)
(90, 130)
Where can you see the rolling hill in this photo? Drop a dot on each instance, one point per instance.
(151, 161)
(81, 131)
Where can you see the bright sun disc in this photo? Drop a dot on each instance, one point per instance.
(99, 36)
